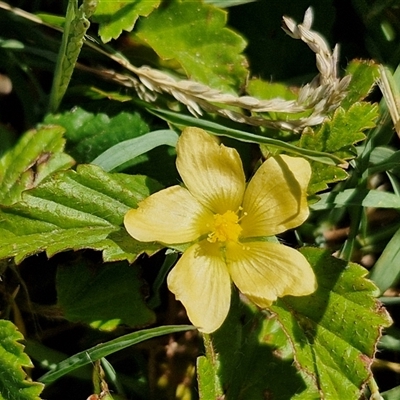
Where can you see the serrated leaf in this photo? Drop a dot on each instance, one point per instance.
(270, 365)
(363, 78)
(195, 35)
(76, 210)
(117, 16)
(249, 357)
(38, 154)
(338, 136)
(335, 330)
(324, 174)
(103, 297)
(14, 383)
(90, 134)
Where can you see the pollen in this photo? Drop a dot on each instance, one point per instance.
(226, 228)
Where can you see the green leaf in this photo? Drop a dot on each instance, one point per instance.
(337, 136)
(248, 357)
(76, 210)
(14, 383)
(356, 197)
(386, 271)
(45, 357)
(90, 134)
(392, 394)
(117, 16)
(383, 159)
(335, 330)
(390, 340)
(322, 175)
(363, 78)
(346, 128)
(38, 154)
(129, 149)
(208, 51)
(105, 349)
(103, 297)
(209, 385)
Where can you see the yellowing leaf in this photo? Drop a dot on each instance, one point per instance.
(38, 153)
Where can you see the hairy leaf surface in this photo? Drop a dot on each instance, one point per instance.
(14, 383)
(90, 134)
(250, 357)
(75, 210)
(37, 154)
(334, 331)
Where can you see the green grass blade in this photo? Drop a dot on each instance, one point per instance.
(357, 197)
(112, 376)
(386, 271)
(129, 149)
(105, 349)
(220, 130)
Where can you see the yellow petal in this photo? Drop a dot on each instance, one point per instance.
(213, 173)
(276, 197)
(169, 216)
(264, 271)
(200, 280)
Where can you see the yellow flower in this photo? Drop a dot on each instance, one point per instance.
(225, 220)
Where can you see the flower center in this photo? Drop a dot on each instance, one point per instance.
(226, 227)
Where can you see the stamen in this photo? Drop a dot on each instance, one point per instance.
(226, 227)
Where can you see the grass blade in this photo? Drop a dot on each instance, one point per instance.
(129, 149)
(105, 349)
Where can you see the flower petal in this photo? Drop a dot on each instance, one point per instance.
(276, 197)
(200, 280)
(264, 271)
(169, 216)
(213, 173)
